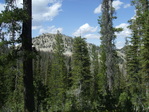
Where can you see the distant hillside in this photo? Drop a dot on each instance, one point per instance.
(46, 42)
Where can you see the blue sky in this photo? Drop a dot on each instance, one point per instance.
(77, 17)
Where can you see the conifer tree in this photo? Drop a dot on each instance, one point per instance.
(3, 90)
(145, 48)
(138, 58)
(58, 75)
(81, 76)
(133, 64)
(107, 41)
(10, 69)
(97, 80)
(109, 70)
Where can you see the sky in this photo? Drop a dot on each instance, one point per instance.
(77, 18)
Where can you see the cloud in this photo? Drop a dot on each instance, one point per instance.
(84, 29)
(43, 10)
(1, 7)
(116, 4)
(19, 3)
(92, 36)
(98, 9)
(120, 44)
(52, 11)
(127, 5)
(126, 31)
(51, 29)
(36, 27)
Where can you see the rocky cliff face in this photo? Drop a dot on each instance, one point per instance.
(46, 42)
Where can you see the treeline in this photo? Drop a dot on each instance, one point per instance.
(83, 82)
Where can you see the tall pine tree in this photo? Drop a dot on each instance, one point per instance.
(81, 76)
(58, 75)
(138, 63)
(107, 41)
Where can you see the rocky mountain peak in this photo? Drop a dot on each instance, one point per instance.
(46, 43)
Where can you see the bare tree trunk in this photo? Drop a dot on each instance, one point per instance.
(27, 58)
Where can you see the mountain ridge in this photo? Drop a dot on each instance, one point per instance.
(46, 42)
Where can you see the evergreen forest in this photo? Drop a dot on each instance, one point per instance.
(87, 80)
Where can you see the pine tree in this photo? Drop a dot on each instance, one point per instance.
(107, 41)
(98, 80)
(81, 76)
(3, 54)
(10, 70)
(137, 62)
(109, 69)
(40, 88)
(133, 64)
(58, 76)
(95, 60)
(145, 49)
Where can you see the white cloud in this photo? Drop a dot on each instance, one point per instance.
(84, 29)
(126, 31)
(43, 10)
(122, 35)
(51, 29)
(36, 27)
(116, 4)
(98, 9)
(120, 44)
(127, 5)
(19, 3)
(52, 11)
(92, 36)
(1, 7)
